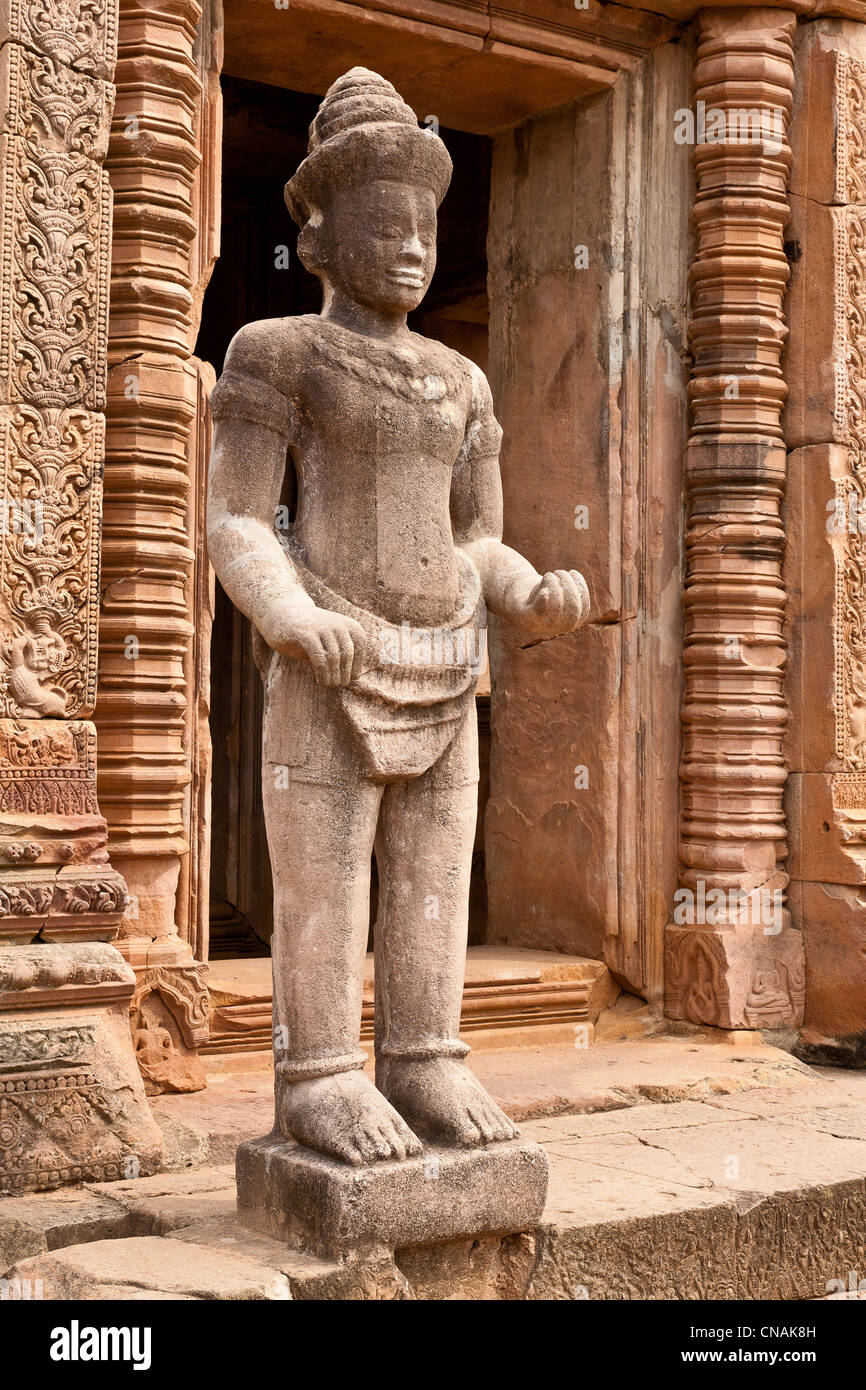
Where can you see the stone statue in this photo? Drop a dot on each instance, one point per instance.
(369, 611)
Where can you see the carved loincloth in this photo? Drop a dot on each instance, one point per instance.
(407, 705)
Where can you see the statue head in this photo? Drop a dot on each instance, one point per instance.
(366, 196)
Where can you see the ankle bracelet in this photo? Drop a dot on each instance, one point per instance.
(311, 1068)
(424, 1051)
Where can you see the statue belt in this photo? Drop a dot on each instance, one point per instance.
(406, 706)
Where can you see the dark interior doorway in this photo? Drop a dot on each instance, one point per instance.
(259, 276)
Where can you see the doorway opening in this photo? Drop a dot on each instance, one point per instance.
(257, 276)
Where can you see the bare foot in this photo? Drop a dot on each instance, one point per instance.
(345, 1117)
(441, 1099)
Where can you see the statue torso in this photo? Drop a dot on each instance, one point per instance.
(377, 430)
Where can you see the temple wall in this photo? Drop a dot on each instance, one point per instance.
(65, 1046)
(587, 364)
(826, 532)
(704, 733)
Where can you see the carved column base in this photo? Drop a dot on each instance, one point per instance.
(56, 883)
(169, 1010)
(72, 1104)
(738, 977)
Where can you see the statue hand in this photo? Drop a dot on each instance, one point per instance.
(334, 646)
(557, 604)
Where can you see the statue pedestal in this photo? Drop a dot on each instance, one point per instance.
(333, 1209)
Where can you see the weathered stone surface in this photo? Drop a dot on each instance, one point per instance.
(489, 1268)
(369, 610)
(584, 736)
(331, 1208)
(163, 1203)
(527, 1083)
(184, 1146)
(71, 1098)
(30, 1225)
(511, 998)
(826, 550)
(755, 1194)
(741, 978)
(732, 771)
(149, 1265)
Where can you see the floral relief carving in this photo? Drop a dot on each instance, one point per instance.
(850, 544)
(851, 122)
(55, 325)
(47, 769)
(49, 567)
(54, 231)
(79, 33)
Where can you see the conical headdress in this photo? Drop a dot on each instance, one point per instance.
(364, 130)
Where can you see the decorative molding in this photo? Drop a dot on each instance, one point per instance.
(186, 988)
(85, 973)
(850, 127)
(153, 397)
(80, 34)
(732, 980)
(152, 709)
(55, 211)
(47, 768)
(55, 229)
(72, 1107)
(849, 543)
(733, 772)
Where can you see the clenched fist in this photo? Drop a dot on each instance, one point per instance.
(557, 604)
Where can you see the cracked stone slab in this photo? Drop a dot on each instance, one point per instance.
(830, 1086)
(146, 1266)
(529, 1084)
(583, 1192)
(376, 1277)
(632, 1119)
(752, 1156)
(841, 1121)
(165, 1202)
(49, 1220)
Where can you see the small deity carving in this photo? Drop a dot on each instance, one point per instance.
(32, 659)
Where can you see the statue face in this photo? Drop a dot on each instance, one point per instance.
(379, 244)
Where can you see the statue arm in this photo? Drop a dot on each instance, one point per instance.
(252, 432)
(252, 427)
(549, 604)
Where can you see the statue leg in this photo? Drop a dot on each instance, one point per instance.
(424, 858)
(321, 840)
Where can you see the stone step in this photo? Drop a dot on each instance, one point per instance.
(512, 997)
(758, 1194)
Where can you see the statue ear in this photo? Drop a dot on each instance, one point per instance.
(310, 249)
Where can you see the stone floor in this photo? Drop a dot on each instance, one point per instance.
(679, 1169)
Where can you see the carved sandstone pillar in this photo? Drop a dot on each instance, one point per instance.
(152, 711)
(826, 559)
(71, 1101)
(732, 958)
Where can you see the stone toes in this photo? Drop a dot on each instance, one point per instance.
(414, 1147)
(387, 1144)
(482, 1123)
(500, 1125)
(365, 1146)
